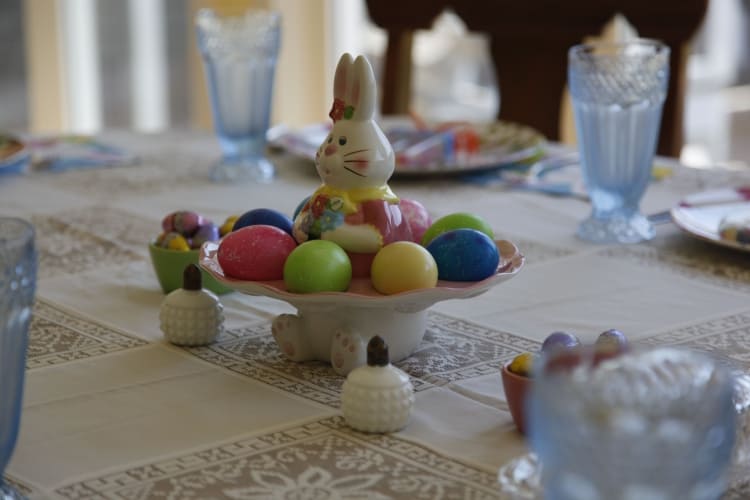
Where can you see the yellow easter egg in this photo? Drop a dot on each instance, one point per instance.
(228, 224)
(521, 364)
(174, 241)
(403, 266)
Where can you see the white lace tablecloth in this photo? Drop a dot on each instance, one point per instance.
(112, 410)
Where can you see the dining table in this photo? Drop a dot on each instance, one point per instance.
(113, 410)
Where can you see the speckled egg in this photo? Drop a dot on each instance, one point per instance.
(173, 241)
(185, 222)
(464, 255)
(207, 232)
(255, 253)
(611, 339)
(264, 216)
(560, 340)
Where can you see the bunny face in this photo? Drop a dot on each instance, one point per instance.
(356, 153)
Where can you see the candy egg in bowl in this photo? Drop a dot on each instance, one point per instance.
(335, 327)
(183, 232)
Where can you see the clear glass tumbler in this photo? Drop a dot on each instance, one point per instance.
(239, 56)
(618, 91)
(17, 286)
(652, 424)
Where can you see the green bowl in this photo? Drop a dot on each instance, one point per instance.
(170, 264)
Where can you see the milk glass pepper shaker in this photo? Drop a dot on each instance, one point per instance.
(191, 315)
(377, 397)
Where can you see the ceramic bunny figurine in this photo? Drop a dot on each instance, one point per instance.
(354, 207)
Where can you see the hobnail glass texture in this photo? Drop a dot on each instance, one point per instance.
(657, 424)
(618, 92)
(17, 286)
(239, 56)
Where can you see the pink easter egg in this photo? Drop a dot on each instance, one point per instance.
(416, 216)
(255, 253)
(167, 223)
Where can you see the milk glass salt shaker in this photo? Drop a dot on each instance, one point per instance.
(377, 397)
(191, 315)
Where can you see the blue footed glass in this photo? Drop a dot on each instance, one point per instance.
(618, 91)
(239, 56)
(18, 264)
(655, 423)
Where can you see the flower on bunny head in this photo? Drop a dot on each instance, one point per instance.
(340, 110)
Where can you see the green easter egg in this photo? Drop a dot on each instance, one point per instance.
(458, 220)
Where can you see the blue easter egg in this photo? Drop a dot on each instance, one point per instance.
(265, 216)
(464, 255)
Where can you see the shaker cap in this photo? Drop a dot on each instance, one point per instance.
(377, 352)
(191, 278)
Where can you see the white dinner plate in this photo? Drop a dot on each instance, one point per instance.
(701, 213)
(500, 144)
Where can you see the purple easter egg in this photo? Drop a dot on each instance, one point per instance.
(560, 340)
(611, 340)
(207, 232)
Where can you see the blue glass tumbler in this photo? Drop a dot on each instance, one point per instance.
(239, 58)
(618, 90)
(18, 264)
(654, 423)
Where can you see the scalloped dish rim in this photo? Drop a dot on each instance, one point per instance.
(511, 262)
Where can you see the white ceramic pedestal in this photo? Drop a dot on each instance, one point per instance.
(336, 326)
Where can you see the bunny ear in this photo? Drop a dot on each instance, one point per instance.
(363, 90)
(341, 79)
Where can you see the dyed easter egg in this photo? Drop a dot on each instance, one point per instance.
(255, 253)
(185, 222)
(458, 220)
(206, 232)
(522, 364)
(560, 340)
(264, 216)
(228, 225)
(173, 241)
(611, 339)
(317, 266)
(403, 266)
(464, 255)
(416, 216)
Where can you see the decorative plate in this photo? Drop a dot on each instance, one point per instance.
(447, 149)
(361, 292)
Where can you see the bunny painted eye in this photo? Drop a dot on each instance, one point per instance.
(342, 140)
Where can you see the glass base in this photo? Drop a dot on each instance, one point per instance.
(7, 492)
(239, 170)
(618, 228)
